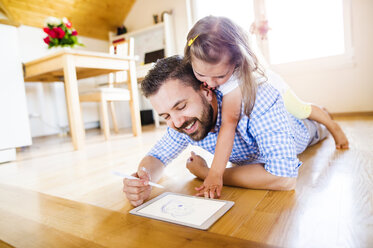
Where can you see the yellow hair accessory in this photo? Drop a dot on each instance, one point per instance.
(192, 40)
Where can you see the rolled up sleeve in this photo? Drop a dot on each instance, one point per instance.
(169, 146)
(278, 151)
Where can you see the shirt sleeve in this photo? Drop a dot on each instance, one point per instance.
(271, 129)
(169, 146)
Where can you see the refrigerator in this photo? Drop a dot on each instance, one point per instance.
(14, 120)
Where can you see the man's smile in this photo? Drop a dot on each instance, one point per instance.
(191, 128)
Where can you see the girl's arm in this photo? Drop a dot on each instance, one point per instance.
(231, 109)
(254, 176)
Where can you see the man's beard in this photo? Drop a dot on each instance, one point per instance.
(206, 122)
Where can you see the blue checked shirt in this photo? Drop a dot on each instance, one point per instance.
(271, 136)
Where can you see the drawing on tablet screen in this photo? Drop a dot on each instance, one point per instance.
(177, 208)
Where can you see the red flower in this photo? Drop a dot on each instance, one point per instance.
(52, 33)
(47, 30)
(59, 33)
(47, 40)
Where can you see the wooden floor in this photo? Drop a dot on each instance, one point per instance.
(53, 196)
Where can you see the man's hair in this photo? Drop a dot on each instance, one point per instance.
(171, 68)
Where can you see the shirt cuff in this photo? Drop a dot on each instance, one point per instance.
(283, 167)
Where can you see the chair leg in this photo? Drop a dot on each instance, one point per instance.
(114, 117)
(105, 118)
(156, 118)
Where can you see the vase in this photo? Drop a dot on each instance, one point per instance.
(59, 49)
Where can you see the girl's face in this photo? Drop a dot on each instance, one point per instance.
(213, 74)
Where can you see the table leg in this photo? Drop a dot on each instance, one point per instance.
(105, 118)
(72, 100)
(134, 102)
(156, 118)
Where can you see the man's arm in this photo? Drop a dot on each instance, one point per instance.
(254, 176)
(137, 191)
(153, 166)
(166, 149)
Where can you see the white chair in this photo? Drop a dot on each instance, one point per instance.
(141, 72)
(106, 96)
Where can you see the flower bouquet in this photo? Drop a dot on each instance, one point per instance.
(60, 33)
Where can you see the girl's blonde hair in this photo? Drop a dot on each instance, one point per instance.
(212, 36)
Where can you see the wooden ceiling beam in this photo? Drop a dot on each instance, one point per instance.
(91, 18)
(34, 5)
(11, 20)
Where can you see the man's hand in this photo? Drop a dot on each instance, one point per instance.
(212, 185)
(137, 191)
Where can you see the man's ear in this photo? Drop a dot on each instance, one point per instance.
(207, 93)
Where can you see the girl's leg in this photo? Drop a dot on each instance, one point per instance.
(303, 110)
(322, 116)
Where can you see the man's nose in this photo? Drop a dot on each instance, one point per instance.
(177, 121)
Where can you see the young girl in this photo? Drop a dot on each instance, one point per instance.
(219, 53)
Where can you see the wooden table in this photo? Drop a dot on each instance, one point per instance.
(69, 66)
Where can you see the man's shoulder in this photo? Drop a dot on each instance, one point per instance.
(267, 96)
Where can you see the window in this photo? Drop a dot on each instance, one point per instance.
(303, 29)
(300, 30)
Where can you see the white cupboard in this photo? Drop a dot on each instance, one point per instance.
(14, 121)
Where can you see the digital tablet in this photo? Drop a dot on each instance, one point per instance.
(192, 211)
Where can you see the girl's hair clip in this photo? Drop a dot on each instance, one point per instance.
(192, 40)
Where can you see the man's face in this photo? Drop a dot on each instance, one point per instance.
(185, 110)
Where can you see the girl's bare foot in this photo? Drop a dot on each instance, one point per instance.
(321, 115)
(341, 141)
(197, 166)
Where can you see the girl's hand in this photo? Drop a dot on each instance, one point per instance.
(212, 185)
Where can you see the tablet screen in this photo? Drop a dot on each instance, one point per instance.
(183, 209)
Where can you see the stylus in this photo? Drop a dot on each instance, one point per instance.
(136, 178)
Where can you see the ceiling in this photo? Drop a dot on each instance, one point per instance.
(91, 18)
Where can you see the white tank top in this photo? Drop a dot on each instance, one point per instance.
(273, 79)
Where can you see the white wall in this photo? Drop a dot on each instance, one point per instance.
(46, 102)
(141, 16)
(346, 88)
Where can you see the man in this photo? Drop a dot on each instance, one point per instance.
(265, 147)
